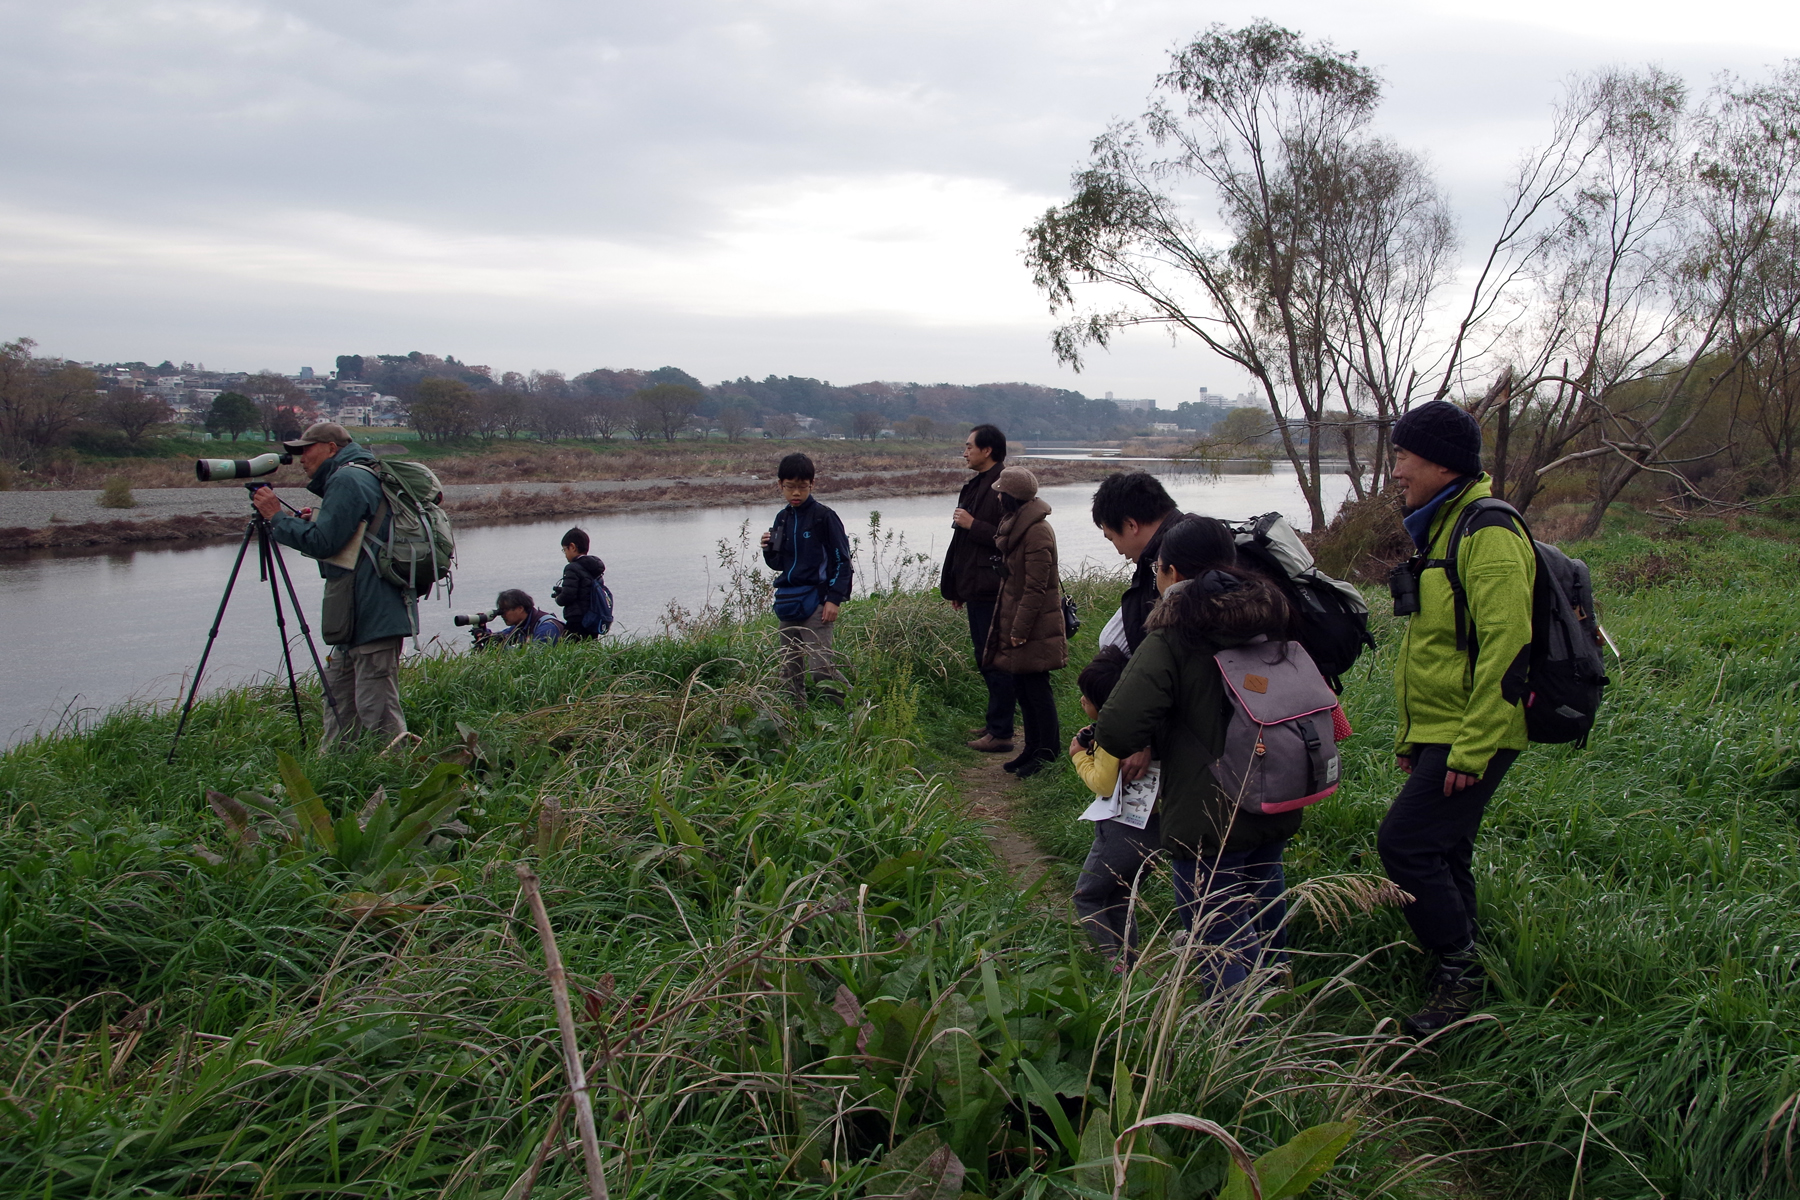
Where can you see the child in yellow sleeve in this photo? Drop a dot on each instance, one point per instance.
(1103, 893)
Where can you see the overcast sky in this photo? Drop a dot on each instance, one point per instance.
(834, 189)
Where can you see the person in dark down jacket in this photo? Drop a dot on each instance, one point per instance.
(364, 618)
(970, 581)
(807, 549)
(1026, 639)
(1227, 863)
(572, 592)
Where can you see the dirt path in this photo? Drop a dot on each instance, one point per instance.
(991, 795)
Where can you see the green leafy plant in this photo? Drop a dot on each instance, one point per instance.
(380, 854)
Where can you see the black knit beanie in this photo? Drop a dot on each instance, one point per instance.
(1444, 434)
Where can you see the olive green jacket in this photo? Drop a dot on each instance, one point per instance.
(1171, 698)
(1441, 701)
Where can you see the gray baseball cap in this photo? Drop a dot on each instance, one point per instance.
(319, 431)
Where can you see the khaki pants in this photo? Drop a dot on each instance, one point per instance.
(365, 682)
(806, 650)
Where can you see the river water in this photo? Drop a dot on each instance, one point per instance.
(85, 632)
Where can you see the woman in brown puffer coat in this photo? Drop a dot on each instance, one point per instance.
(1026, 639)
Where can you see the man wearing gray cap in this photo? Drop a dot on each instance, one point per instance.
(364, 618)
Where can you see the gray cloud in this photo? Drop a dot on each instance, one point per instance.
(639, 125)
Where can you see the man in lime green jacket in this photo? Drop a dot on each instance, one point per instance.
(1458, 734)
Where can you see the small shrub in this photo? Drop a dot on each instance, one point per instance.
(1363, 540)
(1672, 564)
(117, 493)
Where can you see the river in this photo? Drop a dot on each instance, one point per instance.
(85, 632)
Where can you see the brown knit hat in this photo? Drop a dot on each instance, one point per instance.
(1018, 483)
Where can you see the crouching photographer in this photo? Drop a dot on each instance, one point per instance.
(526, 623)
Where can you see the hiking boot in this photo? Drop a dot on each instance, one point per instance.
(1454, 991)
(987, 743)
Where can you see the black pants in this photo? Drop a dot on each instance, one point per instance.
(999, 683)
(1427, 842)
(1043, 728)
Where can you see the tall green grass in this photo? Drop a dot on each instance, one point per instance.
(799, 966)
(1640, 897)
(746, 896)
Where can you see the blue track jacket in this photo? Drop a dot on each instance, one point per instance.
(809, 548)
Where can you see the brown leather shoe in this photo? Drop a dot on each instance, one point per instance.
(987, 743)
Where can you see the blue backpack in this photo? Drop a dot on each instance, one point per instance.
(596, 607)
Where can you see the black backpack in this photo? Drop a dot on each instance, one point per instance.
(1333, 616)
(596, 612)
(1560, 674)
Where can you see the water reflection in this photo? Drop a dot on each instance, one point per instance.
(85, 632)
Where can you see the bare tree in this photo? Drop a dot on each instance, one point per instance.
(781, 425)
(733, 421)
(1260, 119)
(1659, 252)
(1766, 343)
(133, 413)
(40, 399)
(665, 408)
(865, 424)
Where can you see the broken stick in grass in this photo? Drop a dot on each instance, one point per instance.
(565, 1020)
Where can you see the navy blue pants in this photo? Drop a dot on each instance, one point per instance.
(1001, 697)
(1427, 845)
(1233, 905)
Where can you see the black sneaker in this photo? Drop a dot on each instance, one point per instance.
(1454, 993)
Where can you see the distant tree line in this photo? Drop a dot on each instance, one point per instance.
(445, 399)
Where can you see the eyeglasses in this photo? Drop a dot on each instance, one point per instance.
(796, 485)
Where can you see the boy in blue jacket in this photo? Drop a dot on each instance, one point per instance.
(807, 550)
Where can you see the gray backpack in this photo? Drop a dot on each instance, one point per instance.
(1280, 746)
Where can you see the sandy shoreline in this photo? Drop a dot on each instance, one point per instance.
(40, 520)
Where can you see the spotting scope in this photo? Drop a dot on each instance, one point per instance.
(209, 469)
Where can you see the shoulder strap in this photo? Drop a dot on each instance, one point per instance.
(1489, 512)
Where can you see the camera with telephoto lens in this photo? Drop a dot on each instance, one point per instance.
(208, 469)
(481, 633)
(1084, 737)
(1403, 586)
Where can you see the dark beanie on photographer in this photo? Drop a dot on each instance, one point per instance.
(1442, 433)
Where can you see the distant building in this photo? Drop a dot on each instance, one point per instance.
(1165, 427)
(1143, 406)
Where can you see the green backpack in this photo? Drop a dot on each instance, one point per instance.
(420, 547)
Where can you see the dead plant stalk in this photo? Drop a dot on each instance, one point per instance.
(565, 1020)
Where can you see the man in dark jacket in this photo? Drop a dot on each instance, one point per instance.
(971, 583)
(807, 549)
(580, 589)
(1132, 510)
(364, 618)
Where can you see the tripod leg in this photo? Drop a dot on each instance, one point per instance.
(211, 637)
(265, 552)
(305, 630)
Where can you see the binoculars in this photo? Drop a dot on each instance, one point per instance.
(208, 469)
(1403, 585)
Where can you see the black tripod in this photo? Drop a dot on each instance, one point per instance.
(268, 554)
